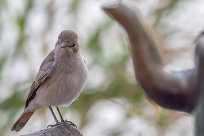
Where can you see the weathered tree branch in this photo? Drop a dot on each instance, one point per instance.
(170, 89)
(63, 129)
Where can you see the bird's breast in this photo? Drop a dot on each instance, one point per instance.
(65, 84)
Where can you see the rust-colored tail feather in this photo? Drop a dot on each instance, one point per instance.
(22, 120)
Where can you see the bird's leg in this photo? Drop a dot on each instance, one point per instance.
(53, 114)
(62, 120)
(66, 121)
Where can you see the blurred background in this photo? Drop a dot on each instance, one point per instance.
(112, 103)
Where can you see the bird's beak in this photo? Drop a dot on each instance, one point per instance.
(63, 45)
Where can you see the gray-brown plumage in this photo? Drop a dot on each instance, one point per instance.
(60, 79)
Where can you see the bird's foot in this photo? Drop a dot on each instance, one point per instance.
(50, 126)
(69, 123)
(63, 121)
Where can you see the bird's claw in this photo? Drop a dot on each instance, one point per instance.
(50, 126)
(70, 123)
(64, 121)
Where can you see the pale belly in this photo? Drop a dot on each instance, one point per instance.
(61, 90)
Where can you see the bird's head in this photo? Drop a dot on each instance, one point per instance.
(68, 41)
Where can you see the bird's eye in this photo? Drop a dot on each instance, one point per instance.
(73, 45)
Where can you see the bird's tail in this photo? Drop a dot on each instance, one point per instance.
(22, 120)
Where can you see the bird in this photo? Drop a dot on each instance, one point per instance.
(59, 81)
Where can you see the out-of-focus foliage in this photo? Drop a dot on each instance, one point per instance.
(28, 31)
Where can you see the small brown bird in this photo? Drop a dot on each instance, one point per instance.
(60, 79)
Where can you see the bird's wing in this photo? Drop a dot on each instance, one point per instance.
(46, 68)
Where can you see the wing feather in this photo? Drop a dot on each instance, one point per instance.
(46, 68)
